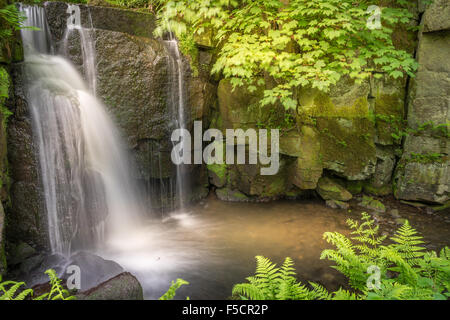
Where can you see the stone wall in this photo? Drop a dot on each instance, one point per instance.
(354, 134)
(424, 170)
(10, 52)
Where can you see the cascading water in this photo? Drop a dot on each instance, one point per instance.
(85, 172)
(177, 104)
(86, 42)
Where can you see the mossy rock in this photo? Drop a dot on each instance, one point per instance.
(336, 204)
(248, 179)
(428, 182)
(346, 99)
(354, 187)
(217, 174)
(378, 191)
(308, 168)
(226, 194)
(373, 204)
(205, 40)
(389, 109)
(347, 147)
(240, 109)
(291, 144)
(331, 190)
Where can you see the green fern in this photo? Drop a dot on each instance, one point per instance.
(407, 272)
(57, 291)
(408, 243)
(170, 294)
(272, 283)
(11, 290)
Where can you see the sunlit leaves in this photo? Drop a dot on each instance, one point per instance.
(309, 43)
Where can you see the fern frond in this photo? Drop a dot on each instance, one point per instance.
(319, 292)
(170, 294)
(408, 243)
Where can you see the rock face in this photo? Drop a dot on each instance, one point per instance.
(423, 173)
(3, 264)
(133, 80)
(352, 132)
(122, 287)
(27, 220)
(339, 133)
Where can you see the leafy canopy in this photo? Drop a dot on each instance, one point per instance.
(286, 44)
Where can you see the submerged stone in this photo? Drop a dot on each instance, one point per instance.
(336, 204)
(373, 204)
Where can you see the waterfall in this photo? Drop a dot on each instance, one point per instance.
(87, 184)
(177, 104)
(86, 42)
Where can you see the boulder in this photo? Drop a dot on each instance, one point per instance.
(94, 269)
(20, 253)
(372, 204)
(331, 190)
(121, 287)
(336, 204)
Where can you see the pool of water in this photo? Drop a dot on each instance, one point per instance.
(213, 244)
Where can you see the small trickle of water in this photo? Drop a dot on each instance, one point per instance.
(178, 105)
(88, 189)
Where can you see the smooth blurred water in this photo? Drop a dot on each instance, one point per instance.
(86, 174)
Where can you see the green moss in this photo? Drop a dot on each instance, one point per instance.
(231, 195)
(377, 191)
(220, 170)
(218, 174)
(330, 189)
(371, 203)
(239, 195)
(345, 148)
(321, 105)
(275, 187)
(427, 157)
(354, 187)
(389, 116)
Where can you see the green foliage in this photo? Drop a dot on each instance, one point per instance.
(272, 283)
(170, 294)
(431, 157)
(307, 43)
(406, 271)
(10, 21)
(9, 290)
(12, 290)
(57, 292)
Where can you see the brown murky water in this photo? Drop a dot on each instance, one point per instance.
(213, 245)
